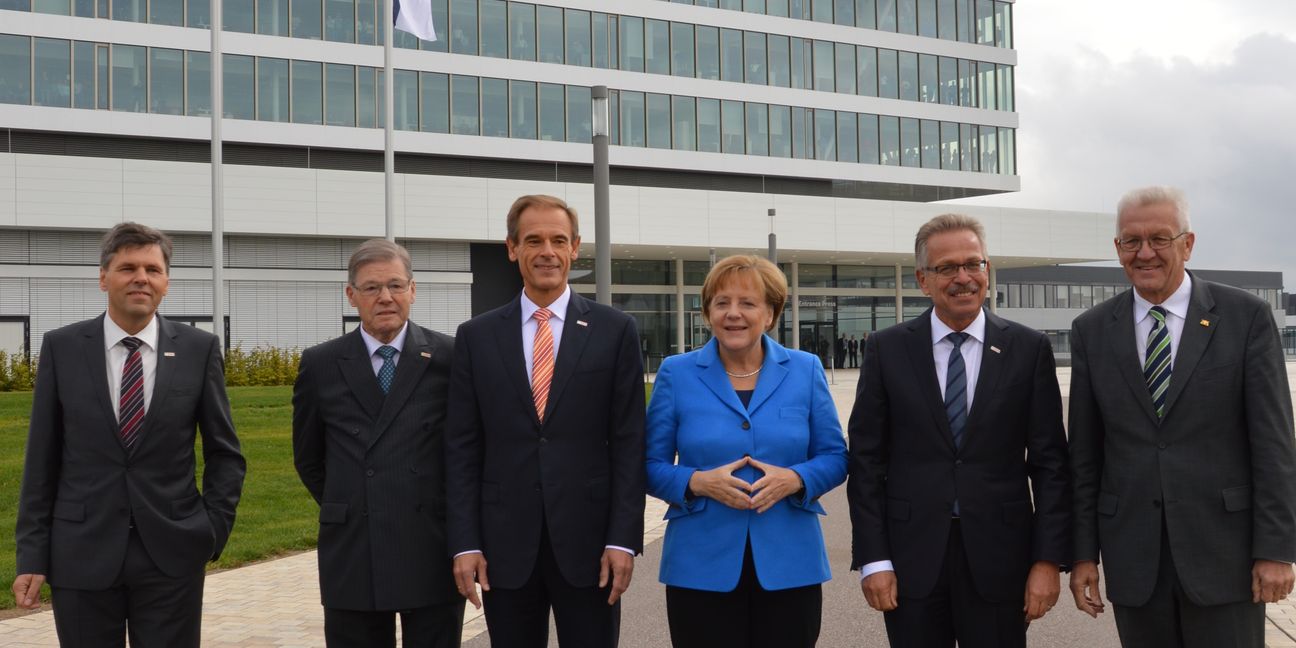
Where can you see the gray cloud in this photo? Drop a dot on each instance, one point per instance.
(1092, 129)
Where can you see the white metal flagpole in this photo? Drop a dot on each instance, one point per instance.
(217, 179)
(389, 154)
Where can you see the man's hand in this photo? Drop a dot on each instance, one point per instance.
(470, 569)
(720, 485)
(26, 590)
(1271, 581)
(880, 590)
(1084, 587)
(621, 566)
(777, 483)
(1042, 588)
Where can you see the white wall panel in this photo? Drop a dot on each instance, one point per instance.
(741, 220)
(14, 293)
(8, 189)
(500, 195)
(269, 200)
(173, 196)
(65, 191)
(284, 314)
(59, 302)
(351, 203)
(441, 307)
(446, 207)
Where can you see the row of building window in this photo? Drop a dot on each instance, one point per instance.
(1012, 295)
(986, 22)
(648, 272)
(523, 31)
(130, 78)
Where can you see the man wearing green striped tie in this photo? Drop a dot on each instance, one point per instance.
(1182, 447)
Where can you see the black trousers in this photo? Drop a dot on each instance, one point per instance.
(434, 626)
(748, 617)
(153, 608)
(1171, 620)
(955, 611)
(519, 618)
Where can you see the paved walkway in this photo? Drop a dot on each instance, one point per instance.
(275, 604)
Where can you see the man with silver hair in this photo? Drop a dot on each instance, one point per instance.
(1181, 445)
(959, 492)
(369, 414)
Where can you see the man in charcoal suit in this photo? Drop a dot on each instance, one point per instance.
(369, 413)
(110, 514)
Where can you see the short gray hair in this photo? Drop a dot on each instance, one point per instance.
(941, 224)
(375, 250)
(1155, 195)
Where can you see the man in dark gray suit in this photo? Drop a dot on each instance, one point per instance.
(1181, 445)
(110, 514)
(368, 441)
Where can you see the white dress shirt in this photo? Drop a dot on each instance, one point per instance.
(115, 353)
(530, 325)
(372, 344)
(1176, 306)
(971, 350)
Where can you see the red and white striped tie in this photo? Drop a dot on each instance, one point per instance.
(130, 408)
(542, 361)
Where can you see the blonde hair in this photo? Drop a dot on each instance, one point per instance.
(768, 277)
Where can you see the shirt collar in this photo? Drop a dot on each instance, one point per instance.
(114, 334)
(1175, 304)
(558, 307)
(976, 329)
(372, 343)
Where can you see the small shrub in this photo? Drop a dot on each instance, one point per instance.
(17, 372)
(262, 366)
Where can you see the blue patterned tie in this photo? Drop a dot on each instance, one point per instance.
(1156, 368)
(956, 389)
(388, 370)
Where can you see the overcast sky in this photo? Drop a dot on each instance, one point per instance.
(1200, 94)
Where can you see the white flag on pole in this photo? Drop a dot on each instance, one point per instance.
(414, 17)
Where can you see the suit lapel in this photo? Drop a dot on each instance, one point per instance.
(357, 370)
(991, 368)
(508, 339)
(1120, 337)
(412, 364)
(773, 371)
(574, 338)
(713, 376)
(923, 364)
(96, 364)
(1198, 328)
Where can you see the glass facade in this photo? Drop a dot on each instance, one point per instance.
(524, 31)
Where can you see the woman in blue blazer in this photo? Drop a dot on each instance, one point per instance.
(758, 442)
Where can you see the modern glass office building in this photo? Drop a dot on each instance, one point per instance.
(848, 118)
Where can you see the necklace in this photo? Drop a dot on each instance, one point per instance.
(746, 375)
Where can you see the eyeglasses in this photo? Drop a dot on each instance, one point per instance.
(373, 290)
(1134, 244)
(951, 269)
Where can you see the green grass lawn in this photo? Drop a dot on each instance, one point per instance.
(275, 516)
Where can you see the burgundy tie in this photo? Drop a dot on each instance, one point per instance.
(131, 404)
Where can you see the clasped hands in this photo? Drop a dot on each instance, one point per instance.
(721, 485)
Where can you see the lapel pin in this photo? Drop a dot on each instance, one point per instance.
(582, 322)
(169, 354)
(425, 354)
(995, 349)
(1205, 322)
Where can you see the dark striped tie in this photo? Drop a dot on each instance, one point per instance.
(130, 406)
(956, 389)
(1157, 366)
(387, 372)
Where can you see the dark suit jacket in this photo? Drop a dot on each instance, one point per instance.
(376, 465)
(81, 486)
(581, 472)
(1219, 468)
(905, 472)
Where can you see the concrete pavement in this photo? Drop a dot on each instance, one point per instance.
(275, 604)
